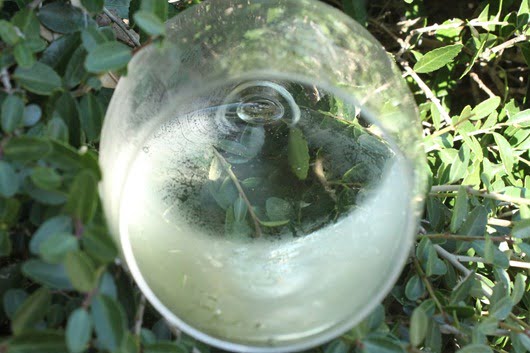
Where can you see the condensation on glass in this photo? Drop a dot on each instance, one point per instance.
(263, 173)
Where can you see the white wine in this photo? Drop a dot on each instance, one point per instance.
(264, 231)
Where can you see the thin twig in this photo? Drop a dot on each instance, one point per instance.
(139, 316)
(5, 81)
(79, 229)
(428, 285)
(427, 91)
(499, 222)
(122, 25)
(514, 123)
(499, 239)
(452, 259)
(450, 127)
(508, 44)
(472, 23)
(228, 169)
(319, 172)
(480, 193)
(487, 291)
(113, 77)
(481, 84)
(174, 330)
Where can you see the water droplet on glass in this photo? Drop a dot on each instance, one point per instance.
(145, 149)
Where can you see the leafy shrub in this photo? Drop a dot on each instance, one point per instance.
(465, 287)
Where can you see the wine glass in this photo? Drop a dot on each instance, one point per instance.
(263, 173)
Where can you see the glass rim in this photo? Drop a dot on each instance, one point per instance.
(385, 285)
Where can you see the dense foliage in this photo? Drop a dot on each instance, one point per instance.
(465, 286)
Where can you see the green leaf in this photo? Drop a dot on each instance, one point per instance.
(75, 69)
(59, 52)
(240, 209)
(58, 224)
(165, 347)
(107, 57)
(337, 346)
(460, 210)
(485, 108)
(519, 288)
(235, 148)
(53, 276)
(418, 326)
(93, 6)
(149, 23)
(12, 113)
(460, 311)
(521, 229)
(28, 23)
(98, 244)
(121, 7)
(91, 115)
(6, 245)
(278, 210)
(252, 182)
(38, 342)
(437, 58)
(81, 271)
(45, 178)
(459, 166)
(107, 286)
(92, 37)
(475, 348)
(8, 33)
(109, 322)
(66, 108)
(23, 55)
(83, 196)
(461, 292)
(272, 224)
(13, 299)
(31, 311)
(357, 9)
(61, 17)
(414, 288)
(156, 7)
(476, 222)
(505, 151)
(381, 344)
(55, 248)
(236, 228)
(39, 79)
(78, 330)
(298, 153)
(8, 180)
(32, 114)
(525, 340)
(434, 266)
(501, 308)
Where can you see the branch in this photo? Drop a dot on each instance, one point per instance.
(232, 176)
(4, 75)
(427, 91)
(122, 25)
(448, 236)
(481, 84)
(139, 316)
(428, 285)
(508, 44)
(480, 193)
